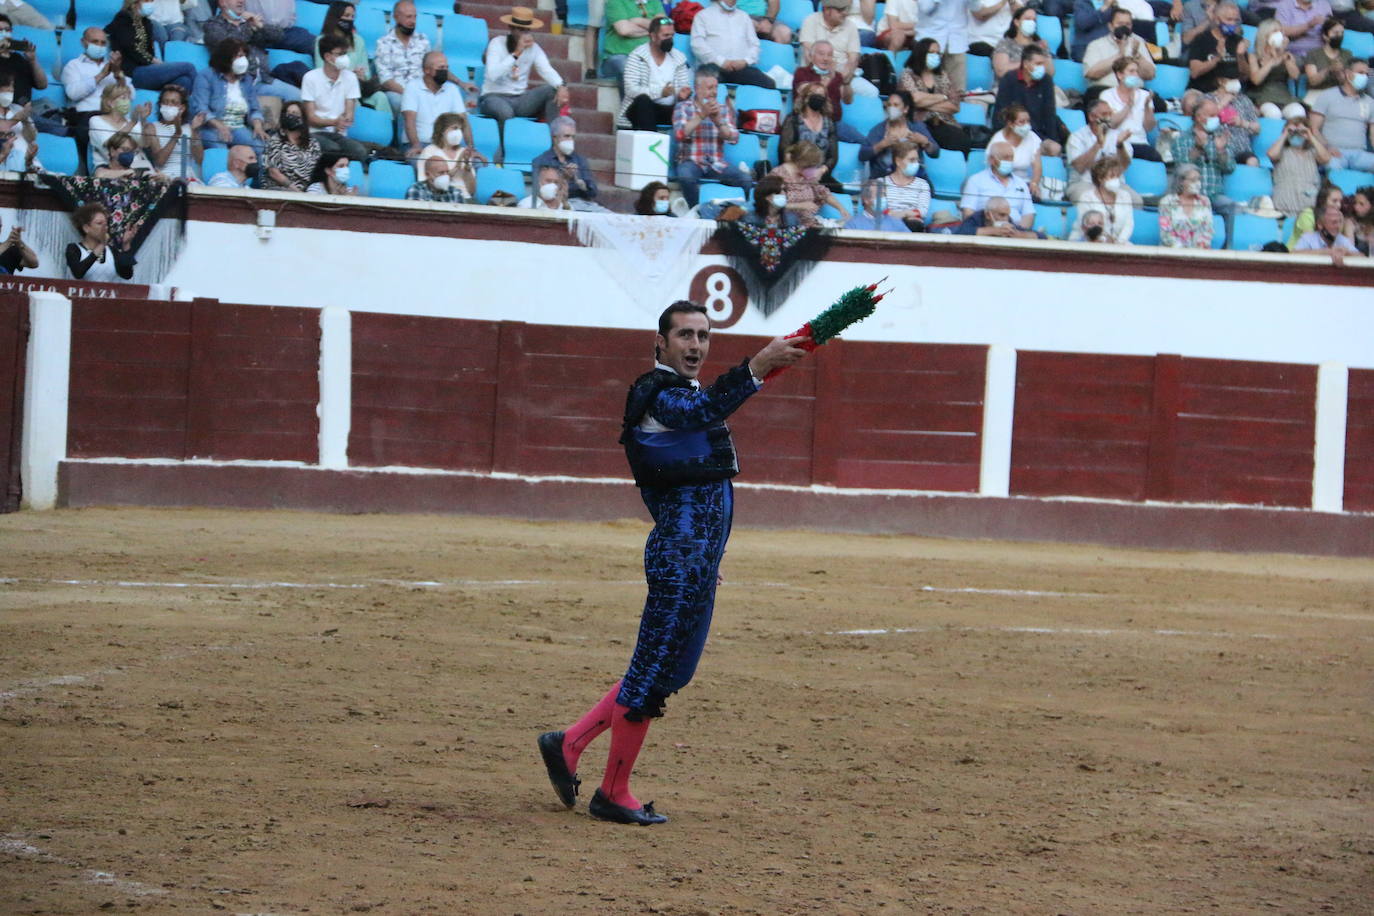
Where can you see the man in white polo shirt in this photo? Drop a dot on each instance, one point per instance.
(330, 94)
(998, 180)
(425, 99)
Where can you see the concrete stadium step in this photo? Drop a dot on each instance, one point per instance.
(621, 200)
(591, 121)
(596, 146)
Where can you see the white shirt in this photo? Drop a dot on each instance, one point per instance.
(172, 167)
(899, 11)
(510, 75)
(1106, 48)
(718, 36)
(101, 129)
(1140, 10)
(990, 30)
(78, 79)
(226, 179)
(329, 96)
(168, 12)
(1135, 121)
(1082, 140)
(1023, 153)
(856, 16)
(844, 38)
(947, 22)
(983, 186)
(429, 105)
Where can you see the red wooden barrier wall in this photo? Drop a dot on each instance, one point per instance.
(1165, 428)
(1359, 442)
(14, 323)
(542, 399)
(155, 379)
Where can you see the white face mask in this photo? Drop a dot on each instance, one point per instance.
(565, 147)
(341, 174)
(440, 181)
(778, 200)
(894, 113)
(240, 65)
(1192, 187)
(660, 206)
(6, 99)
(548, 190)
(1021, 130)
(454, 136)
(1276, 39)
(1112, 184)
(169, 112)
(1233, 86)
(342, 61)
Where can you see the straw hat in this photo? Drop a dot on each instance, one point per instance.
(1263, 205)
(522, 17)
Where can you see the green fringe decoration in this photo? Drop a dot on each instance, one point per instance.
(854, 306)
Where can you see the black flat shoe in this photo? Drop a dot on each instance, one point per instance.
(602, 808)
(564, 782)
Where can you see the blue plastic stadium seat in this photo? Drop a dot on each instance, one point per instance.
(54, 10)
(977, 160)
(791, 13)
(971, 114)
(1072, 118)
(1270, 130)
(97, 11)
(1251, 233)
(465, 37)
(184, 52)
(751, 98)
(710, 190)
(1148, 179)
(1349, 180)
(1052, 30)
(1247, 181)
(772, 54)
(1068, 74)
(427, 24)
(54, 93)
(370, 24)
(1145, 228)
(745, 152)
(946, 172)
(58, 154)
(1053, 167)
(216, 160)
(979, 72)
(390, 179)
(1360, 44)
(372, 126)
(1170, 82)
(147, 97)
(682, 43)
(1218, 232)
(863, 113)
(848, 169)
(525, 139)
(44, 45)
(486, 136)
(493, 178)
(1051, 220)
(278, 56)
(310, 16)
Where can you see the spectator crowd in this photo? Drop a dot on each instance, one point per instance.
(1185, 124)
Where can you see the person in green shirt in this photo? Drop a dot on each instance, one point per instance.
(627, 27)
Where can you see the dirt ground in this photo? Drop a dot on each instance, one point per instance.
(1021, 728)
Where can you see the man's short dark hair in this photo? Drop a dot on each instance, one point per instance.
(331, 43)
(680, 307)
(1118, 11)
(1033, 51)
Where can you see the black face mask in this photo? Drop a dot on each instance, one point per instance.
(406, 30)
(815, 102)
(346, 25)
(292, 121)
(1335, 40)
(665, 45)
(250, 171)
(1121, 31)
(441, 75)
(1092, 233)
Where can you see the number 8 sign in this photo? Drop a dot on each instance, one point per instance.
(724, 293)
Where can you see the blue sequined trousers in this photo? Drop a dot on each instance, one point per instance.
(681, 561)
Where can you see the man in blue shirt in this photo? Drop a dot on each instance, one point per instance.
(874, 218)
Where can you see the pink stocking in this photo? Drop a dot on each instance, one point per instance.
(626, 739)
(577, 736)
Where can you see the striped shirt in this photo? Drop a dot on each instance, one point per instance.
(914, 196)
(644, 77)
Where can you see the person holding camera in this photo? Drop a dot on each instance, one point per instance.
(19, 59)
(1299, 154)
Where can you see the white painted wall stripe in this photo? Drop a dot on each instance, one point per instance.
(336, 386)
(47, 375)
(1328, 459)
(999, 402)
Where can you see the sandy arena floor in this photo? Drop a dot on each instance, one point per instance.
(880, 725)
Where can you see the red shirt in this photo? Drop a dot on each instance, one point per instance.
(834, 89)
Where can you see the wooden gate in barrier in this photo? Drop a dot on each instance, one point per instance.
(14, 338)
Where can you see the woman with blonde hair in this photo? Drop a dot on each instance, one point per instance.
(1272, 65)
(117, 115)
(801, 173)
